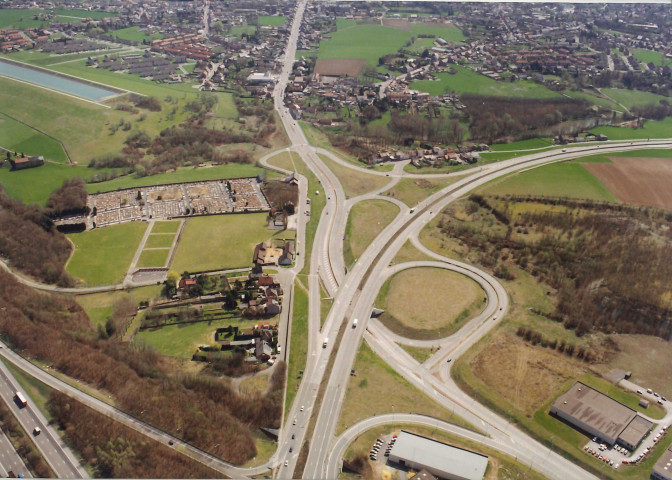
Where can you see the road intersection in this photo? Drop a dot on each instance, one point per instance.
(353, 296)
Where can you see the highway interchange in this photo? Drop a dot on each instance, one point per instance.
(353, 296)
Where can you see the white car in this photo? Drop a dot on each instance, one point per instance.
(286, 462)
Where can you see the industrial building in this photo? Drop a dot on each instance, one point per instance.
(444, 461)
(662, 470)
(599, 415)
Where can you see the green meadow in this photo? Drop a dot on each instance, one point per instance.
(468, 81)
(102, 256)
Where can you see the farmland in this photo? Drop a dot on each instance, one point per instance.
(102, 256)
(468, 81)
(221, 241)
(21, 138)
(555, 180)
(637, 181)
(370, 42)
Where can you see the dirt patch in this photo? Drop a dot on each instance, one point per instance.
(526, 376)
(648, 358)
(637, 181)
(396, 23)
(198, 192)
(166, 194)
(426, 184)
(340, 66)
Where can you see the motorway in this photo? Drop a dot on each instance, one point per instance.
(54, 450)
(353, 296)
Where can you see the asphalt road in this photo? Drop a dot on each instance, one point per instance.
(353, 296)
(48, 442)
(10, 460)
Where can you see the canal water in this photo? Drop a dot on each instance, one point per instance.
(56, 82)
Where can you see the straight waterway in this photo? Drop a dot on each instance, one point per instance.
(57, 82)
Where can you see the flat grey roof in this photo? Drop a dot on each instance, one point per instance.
(595, 409)
(663, 466)
(636, 430)
(439, 456)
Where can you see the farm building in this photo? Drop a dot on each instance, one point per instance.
(26, 162)
(599, 415)
(441, 460)
(662, 470)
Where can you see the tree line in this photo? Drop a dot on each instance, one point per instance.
(608, 262)
(116, 451)
(31, 243)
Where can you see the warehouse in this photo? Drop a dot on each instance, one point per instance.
(599, 415)
(662, 470)
(444, 461)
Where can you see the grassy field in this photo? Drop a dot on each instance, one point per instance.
(354, 183)
(254, 384)
(187, 174)
(159, 241)
(318, 138)
(273, 20)
(366, 220)
(647, 357)
(408, 253)
(443, 302)
(293, 162)
(166, 227)
(595, 100)
(298, 349)
(98, 306)
(21, 18)
(651, 129)
(650, 56)
(79, 125)
(412, 191)
(34, 185)
(468, 81)
(220, 241)
(153, 258)
(420, 354)
(378, 389)
(181, 341)
(102, 256)
(21, 138)
(95, 15)
(555, 180)
(366, 42)
(630, 98)
(134, 34)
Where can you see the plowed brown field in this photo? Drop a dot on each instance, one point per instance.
(340, 66)
(638, 181)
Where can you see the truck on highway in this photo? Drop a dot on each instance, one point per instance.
(354, 323)
(326, 342)
(21, 399)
